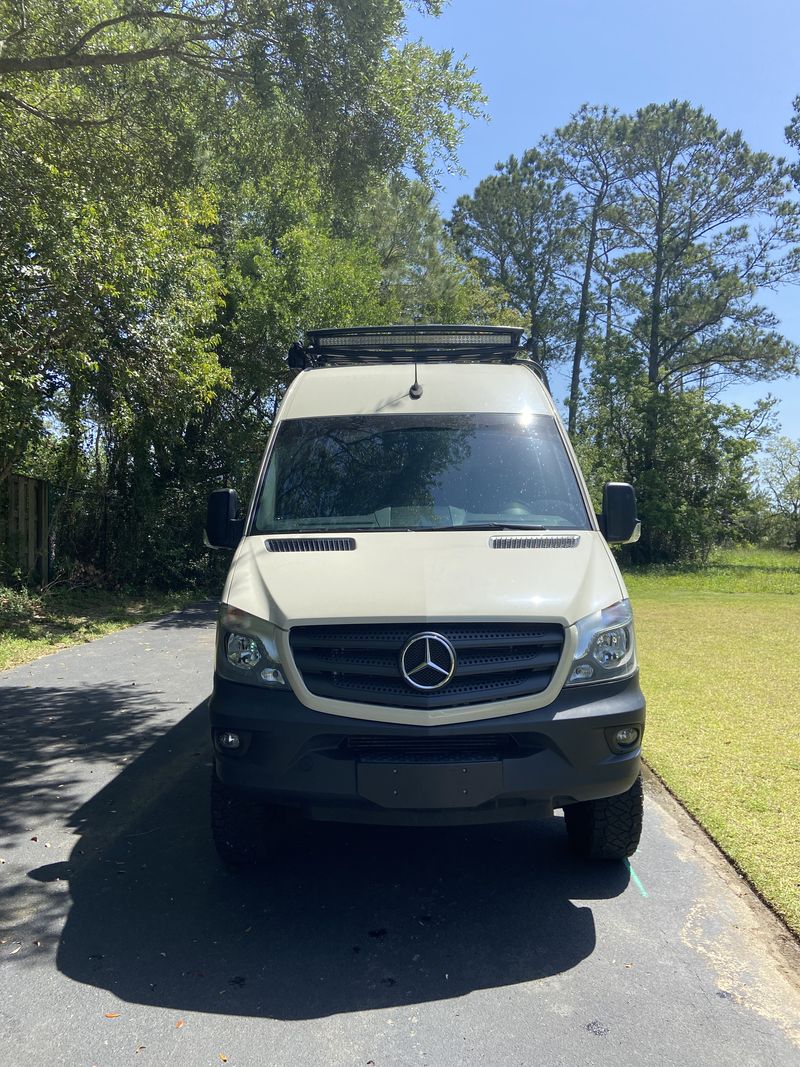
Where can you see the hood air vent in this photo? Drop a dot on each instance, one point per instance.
(558, 541)
(311, 544)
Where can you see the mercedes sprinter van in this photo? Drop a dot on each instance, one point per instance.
(423, 622)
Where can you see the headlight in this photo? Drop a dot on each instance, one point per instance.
(242, 651)
(248, 649)
(606, 648)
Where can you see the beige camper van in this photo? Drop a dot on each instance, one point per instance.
(423, 622)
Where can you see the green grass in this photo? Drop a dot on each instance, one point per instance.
(740, 570)
(32, 626)
(718, 649)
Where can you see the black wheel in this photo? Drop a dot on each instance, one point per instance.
(607, 829)
(245, 830)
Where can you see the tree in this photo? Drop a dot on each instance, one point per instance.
(588, 153)
(518, 229)
(778, 472)
(423, 279)
(694, 490)
(364, 100)
(708, 223)
(177, 188)
(643, 242)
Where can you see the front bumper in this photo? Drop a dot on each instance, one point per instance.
(516, 767)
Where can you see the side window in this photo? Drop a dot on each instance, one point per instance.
(266, 505)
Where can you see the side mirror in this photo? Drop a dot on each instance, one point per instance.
(619, 521)
(223, 529)
(297, 357)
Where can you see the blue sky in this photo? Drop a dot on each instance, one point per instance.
(539, 60)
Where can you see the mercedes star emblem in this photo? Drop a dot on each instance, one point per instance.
(428, 661)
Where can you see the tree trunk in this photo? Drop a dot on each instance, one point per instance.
(655, 303)
(609, 306)
(534, 342)
(583, 315)
(653, 366)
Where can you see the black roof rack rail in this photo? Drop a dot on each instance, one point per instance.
(430, 343)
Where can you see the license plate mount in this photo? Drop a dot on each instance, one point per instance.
(430, 786)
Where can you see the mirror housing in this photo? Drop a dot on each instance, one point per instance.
(223, 528)
(619, 521)
(296, 358)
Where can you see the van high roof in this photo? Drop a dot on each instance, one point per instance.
(471, 387)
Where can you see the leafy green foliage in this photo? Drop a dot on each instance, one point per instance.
(183, 191)
(642, 242)
(518, 231)
(588, 152)
(778, 474)
(707, 222)
(692, 490)
(422, 276)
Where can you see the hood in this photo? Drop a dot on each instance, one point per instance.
(424, 575)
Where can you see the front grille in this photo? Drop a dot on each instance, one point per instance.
(361, 663)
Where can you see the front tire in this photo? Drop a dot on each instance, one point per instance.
(609, 828)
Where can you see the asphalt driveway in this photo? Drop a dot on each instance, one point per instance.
(124, 941)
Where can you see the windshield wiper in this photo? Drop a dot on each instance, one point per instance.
(326, 526)
(488, 526)
(347, 528)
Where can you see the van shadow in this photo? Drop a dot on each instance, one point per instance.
(345, 919)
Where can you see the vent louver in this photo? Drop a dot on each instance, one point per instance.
(311, 544)
(550, 541)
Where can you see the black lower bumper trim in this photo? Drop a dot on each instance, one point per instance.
(498, 769)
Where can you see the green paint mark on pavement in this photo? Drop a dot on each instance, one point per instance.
(636, 879)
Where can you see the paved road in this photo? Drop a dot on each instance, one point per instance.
(362, 946)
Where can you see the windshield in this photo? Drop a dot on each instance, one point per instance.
(390, 472)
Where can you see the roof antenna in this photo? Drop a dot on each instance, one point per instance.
(415, 392)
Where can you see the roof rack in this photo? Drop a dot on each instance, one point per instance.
(407, 344)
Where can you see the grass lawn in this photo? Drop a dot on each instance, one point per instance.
(720, 665)
(32, 626)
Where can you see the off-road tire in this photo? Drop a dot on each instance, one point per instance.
(245, 830)
(607, 829)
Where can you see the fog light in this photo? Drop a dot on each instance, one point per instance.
(272, 676)
(229, 740)
(627, 736)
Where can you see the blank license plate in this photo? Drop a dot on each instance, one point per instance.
(414, 785)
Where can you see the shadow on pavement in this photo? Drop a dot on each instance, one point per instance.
(196, 615)
(347, 919)
(53, 737)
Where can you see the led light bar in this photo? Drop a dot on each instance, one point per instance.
(384, 339)
(429, 343)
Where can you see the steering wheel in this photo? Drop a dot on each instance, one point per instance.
(554, 505)
(516, 507)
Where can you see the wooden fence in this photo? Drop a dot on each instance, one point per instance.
(24, 526)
